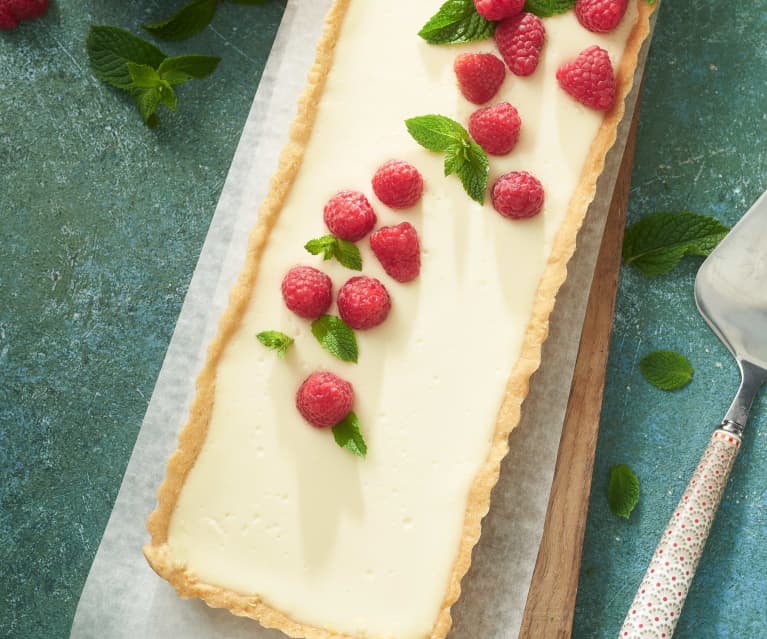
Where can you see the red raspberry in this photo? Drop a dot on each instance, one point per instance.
(517, 195)
(348, 215)
(307, 291)
(498, 9)
(398, 250)
(590, 79)
(363, 302)
(495, 128)
(324, 399)
(600, 16)
(8, 19)
(480, 75)
(398, 184)
(520, 40)
(13, 11)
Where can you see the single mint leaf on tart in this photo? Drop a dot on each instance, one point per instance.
(347, 435)
(335, 336)
(667, 370)
(623, 491)
(546, 8)
(456, 21)
(463, 156)
(187, 21)
(657, 243)
(331, 247)
(276, 341)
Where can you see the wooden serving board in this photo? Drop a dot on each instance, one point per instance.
(551, 600)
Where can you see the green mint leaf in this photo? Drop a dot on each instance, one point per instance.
(455, 157)
(456, 21)
(463, 156)
(436, 132)
(276, 341)
(657, 243)
(168, 96)
(147, 101)
(546, 8)
(623, 491)
(144, 76)
(182, 68)
(347, 435)
(667, 370)
(325, 245)
(110, 49)
(474, 172)
(348, 255)
(335, 336)
(331, 247)
(189, 20)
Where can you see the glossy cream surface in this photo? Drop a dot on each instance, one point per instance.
(273, 506)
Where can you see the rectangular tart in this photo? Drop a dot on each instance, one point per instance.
(264, 515)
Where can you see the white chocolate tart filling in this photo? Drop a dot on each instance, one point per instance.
(273, 507)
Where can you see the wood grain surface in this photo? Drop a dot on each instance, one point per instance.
(551, 601)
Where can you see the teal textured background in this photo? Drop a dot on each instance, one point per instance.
(103, 221)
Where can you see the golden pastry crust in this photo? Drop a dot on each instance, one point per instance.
(193, 435)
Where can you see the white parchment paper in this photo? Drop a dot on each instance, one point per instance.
(124, 599)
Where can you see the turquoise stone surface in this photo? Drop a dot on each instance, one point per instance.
(103, 221)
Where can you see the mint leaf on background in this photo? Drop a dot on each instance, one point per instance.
(456, 21)
(276, 341)
(144, 76)
(347, 435)
(657, 243)
(623, 491)
(546, 8)
(336, 337)
(463, 157)
(667, 370)
(110, 49)
(186, 22)
(331, 247)
(183, 68)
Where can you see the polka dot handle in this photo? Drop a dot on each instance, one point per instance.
(659, 600)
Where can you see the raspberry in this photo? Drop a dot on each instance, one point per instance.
(496, 128)
(398, 184)
(363, 302)
(600, 16)
(324, 399)
(398, 250)
(517, 195)
(348, 215)
(498, 9)
(307, 291)
(589, 78)
(520, 40)
(480, 75)
(13, 11)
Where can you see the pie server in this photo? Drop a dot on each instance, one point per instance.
(731, 294)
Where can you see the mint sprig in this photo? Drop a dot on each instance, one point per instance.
(347, 435)
(331, 247)
(132, 64)
(547, 8)
(668, 370)
(186, 22)
(276, 341)
(336, 337)
(463, 156)
(657, 243)
(623, 491)
(456, 21)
